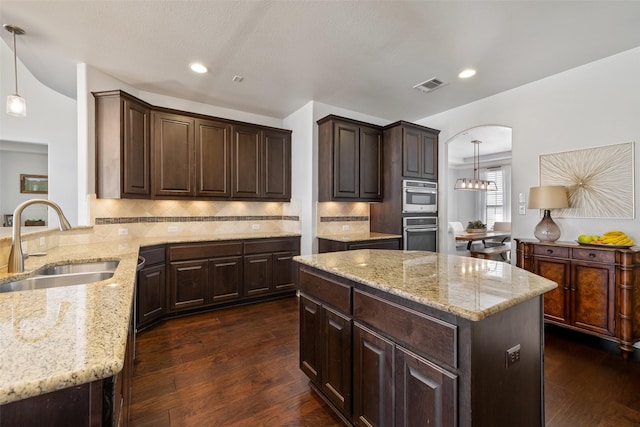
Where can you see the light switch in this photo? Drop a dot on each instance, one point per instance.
(521, 210)
(522, 198)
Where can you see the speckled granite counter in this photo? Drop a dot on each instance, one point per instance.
(55, 338)
(357, 237)
(467, 287)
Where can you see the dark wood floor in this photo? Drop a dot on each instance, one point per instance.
(239, 367)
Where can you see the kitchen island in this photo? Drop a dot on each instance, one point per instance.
(421, 338)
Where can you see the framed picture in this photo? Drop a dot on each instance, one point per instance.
(599, 181)
(35, 184)
(8, 220)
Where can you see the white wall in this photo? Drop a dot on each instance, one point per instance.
(51, 120)
(593, 105)
(12, 164)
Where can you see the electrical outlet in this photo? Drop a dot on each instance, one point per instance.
(513, 355)
(521, 210)
(123, 231)
(345, 228)
(42, 241)
(255, 226)
(172, 229)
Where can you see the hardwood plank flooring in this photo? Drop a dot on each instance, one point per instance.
(239, 367)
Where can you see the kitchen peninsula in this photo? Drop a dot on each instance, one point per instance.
(416, 338)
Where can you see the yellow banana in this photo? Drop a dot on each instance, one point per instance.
(613, 233)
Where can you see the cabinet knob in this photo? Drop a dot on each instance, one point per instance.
(566, 288)
(549, 251)
(592, 255)
(574, 289)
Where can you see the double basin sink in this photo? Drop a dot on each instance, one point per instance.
(64, 275)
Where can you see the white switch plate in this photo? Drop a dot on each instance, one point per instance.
(42, 241)
(345, 228)
(172, 229)
(123, 231)
(255, 226)
(522, 198)
(521, 210)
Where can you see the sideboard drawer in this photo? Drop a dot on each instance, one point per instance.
(594, 255)
(554, 251)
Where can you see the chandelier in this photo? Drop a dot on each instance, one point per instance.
(475, 183)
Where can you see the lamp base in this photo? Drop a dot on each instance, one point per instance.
(547, 230)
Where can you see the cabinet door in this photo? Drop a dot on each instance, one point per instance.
(310, 338)
(346, 159)
(336, 360)
(174, 155)
(225, 278)
(283, 271)
(556, 301)
(151, 295)
(411, 153)
(213, 159)
(277, 165)
(188, 284)
(258, 274)
(370, 164)
(593, 306)
(372, 378)
(135, 146)
(429, 158)
(245, 152)
(425, 393)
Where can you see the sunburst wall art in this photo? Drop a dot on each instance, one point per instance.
(599, 181)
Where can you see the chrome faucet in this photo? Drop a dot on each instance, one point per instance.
(16, 257)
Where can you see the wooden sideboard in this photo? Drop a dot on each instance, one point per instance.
(598, 287)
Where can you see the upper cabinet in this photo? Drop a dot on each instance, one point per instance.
(168, 154)
(262, 163)
(122, 146)
(350, 160)
(419, 150)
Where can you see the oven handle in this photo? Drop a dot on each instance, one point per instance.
(408, 229)
(419, 190)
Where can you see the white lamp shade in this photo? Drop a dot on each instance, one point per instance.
(16, 105)
(548, 197)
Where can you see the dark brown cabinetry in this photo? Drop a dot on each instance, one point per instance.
(151, 301)
(122, 146)
(329, 245)
(350, 160)
(169, 154)
(595, 292)
(262, 164)
(202, 275)
(411, 152)
(379, 359)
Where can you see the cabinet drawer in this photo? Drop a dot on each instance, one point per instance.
(326, 290)
(204, 250)
(551, 251)
(271, 245)
(152, 255)
(594, 255)
(428, 335)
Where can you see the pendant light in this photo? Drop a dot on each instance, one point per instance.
(16, 105)
(475, 183)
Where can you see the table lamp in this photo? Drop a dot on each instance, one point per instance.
(547, 198)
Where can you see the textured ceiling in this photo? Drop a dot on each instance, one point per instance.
(360, 55)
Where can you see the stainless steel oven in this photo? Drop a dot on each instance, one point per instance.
(419, 196)
(420, 233)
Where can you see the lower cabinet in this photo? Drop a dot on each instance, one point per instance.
(204, 274)
(151, 300)
(381, 360)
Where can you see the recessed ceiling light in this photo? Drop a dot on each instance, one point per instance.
(465, 74)
(198, 68)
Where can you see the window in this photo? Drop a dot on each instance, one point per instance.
(495, 200)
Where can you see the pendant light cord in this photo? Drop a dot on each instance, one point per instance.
(15, 61)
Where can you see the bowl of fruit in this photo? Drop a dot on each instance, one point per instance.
(610, 239)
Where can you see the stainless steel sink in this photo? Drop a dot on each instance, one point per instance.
(64, 275)
(85, 267)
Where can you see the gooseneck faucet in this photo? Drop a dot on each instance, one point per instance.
(16, 257)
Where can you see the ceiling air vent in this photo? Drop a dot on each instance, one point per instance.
(430, 85)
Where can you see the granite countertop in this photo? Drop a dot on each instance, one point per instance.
(470, 288)
(357, 237)
(56, 338)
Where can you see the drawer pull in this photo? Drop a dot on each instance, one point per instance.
(549, 251)
(592, 255)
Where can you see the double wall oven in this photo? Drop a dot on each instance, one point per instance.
(419, 215)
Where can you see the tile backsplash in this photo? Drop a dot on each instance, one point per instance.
(342, 218)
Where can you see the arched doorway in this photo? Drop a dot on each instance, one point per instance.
(494, 163)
